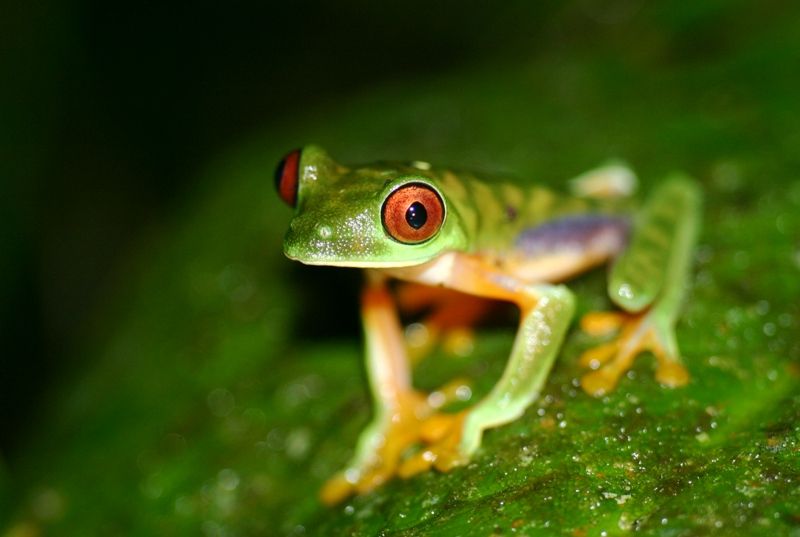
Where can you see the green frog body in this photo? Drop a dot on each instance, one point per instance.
(496, 240)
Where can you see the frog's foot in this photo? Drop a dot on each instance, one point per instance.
(449, 323)
(411, 439)
(421, 338)
(441, 435)
(380, 449)
(636, 333)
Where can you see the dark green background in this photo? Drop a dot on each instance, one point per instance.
(166, 371)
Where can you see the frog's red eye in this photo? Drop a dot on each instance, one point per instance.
(286, 177)
(413, 213)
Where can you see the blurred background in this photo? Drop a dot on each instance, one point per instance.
(111, 110)
(110, 113)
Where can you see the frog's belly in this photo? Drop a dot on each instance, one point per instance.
(560, 249)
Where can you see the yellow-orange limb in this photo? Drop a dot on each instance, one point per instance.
(402, 416)
(452, 317)
(601, 323)
(414, 422)
(414, 297)
(638, 333)
(545, 314)
(405, 420)
(387, 365)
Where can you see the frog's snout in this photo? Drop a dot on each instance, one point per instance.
(308, 240)
(319, 240)
(311, 231)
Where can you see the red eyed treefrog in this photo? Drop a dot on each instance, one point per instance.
(433, 226)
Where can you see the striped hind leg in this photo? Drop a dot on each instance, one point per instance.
(648, 282)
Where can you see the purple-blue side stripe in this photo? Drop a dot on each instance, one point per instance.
(572, 232)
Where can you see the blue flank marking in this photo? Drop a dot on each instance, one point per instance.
(570, 232)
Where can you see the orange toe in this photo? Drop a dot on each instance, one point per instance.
(602, 323)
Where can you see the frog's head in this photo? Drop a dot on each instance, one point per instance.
(372, 216)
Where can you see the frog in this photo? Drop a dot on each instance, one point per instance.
(442, 228)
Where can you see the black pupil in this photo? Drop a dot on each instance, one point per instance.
(416, 215)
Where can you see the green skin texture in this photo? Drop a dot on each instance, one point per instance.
(346, 206)
(338, 222)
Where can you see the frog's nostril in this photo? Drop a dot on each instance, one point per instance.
(323, 231)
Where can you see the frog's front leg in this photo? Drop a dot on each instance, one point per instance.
(546, 311)
(395, 403)
(401, 416)
(648, 282)
(403, 419)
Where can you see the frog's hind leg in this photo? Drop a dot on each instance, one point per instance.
(449, 319)
(647, 282)
(649, 331)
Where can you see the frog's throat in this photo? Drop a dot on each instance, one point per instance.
(434, 271)
(360, 264)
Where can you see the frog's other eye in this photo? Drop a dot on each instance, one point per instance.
(413, 213)
(286, 177)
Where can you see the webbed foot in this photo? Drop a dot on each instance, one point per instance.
(635, 334)
(413, 438)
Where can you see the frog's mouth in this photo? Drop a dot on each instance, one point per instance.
(325, 252)
(358, 264)
(319, 260)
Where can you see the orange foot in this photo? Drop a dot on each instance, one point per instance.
(449, 319)
(414, 438)
(636, 333)
(422, 338)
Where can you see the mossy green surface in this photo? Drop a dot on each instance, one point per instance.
(210, 409)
